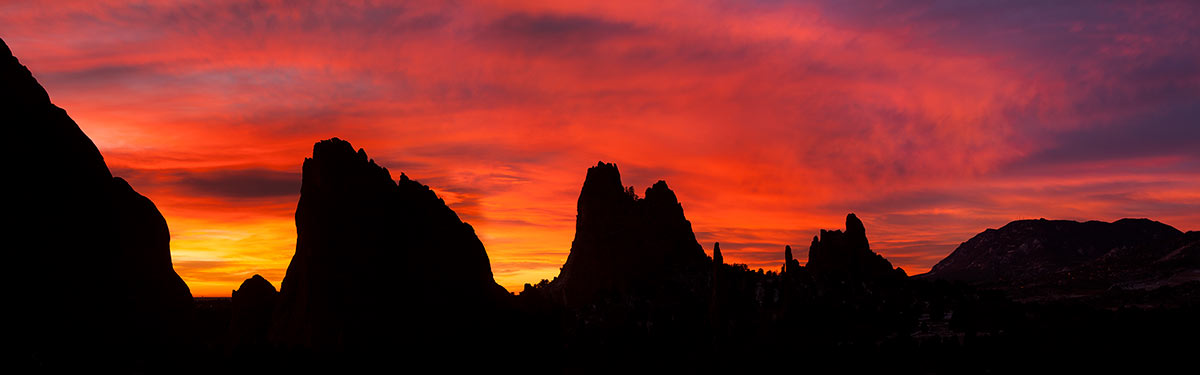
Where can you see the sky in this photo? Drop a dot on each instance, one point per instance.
(931, 120)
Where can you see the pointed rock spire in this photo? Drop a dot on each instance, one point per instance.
(787, 258)
(717, 258)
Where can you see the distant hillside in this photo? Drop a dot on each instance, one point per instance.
(1060, 258)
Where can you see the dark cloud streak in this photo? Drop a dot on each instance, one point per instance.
(246, 183)
(250, 183)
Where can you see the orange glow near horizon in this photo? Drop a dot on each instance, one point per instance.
(770, 121)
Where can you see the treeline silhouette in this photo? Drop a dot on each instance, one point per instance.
(386, 277)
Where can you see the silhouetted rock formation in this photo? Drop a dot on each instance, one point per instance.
(716, 302)
(253, 304)
(635, 281)
(717, 258)
(622, 240)
(378, 260)
(718, 262)
(790, 264)
(1051, 258)
(849, 254)
(91, 257)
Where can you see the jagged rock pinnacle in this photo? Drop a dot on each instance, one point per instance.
(847, 253)
(360, 238)
(622, 240)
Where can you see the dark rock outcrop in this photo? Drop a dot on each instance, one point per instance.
(790, 264)
(92, 273)
(717, 258)
(717, 300)
(378, 260)
(253, 304)
(848, 254)
(718, 262)
(622, 240)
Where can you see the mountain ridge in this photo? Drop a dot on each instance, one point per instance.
(1040, 259)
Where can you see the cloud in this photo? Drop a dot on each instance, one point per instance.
(931, 120)
(558, 29)
(246, 183)
(1170, 131)
(249, 183)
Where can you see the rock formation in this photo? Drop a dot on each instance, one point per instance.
(253, 303)
(623, 241)
(92, 263)
(848, 253)
(717, 263)
(378, 259)
(717, 301)
(717, 258)
(790, 264)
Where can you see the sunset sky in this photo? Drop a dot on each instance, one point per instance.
(931, 120)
